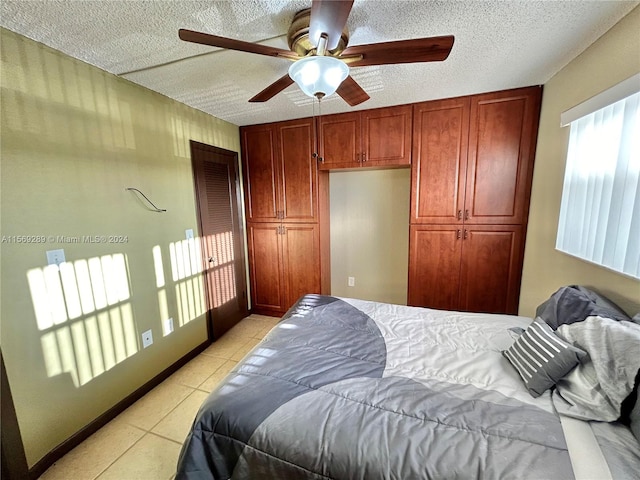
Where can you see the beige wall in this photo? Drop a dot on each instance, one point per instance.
(611, 59)
(370, 234)
(73, 137)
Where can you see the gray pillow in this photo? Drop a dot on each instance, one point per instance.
(602, 301)
(574, 304)
(541, 357)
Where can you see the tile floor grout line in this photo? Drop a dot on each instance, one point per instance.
(167, 438)
(121, 455)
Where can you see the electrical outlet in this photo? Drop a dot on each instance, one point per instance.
(351, 281)
(147, 339)
(168, 326)
(189, 233)
(55, 257)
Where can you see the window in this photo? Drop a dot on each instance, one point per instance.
(600, 209)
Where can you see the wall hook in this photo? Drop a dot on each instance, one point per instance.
(155, 209)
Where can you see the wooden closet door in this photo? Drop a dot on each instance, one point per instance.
(301, 256)
(386, 136)
(266, 268)
(260, 172)
(434, 266)
(339, 140)
(503, 131)
(438, 170)
(491, 268)
(298, 171)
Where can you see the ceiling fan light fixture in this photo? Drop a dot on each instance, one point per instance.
(319, 76)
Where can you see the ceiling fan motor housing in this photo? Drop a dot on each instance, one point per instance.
(298, 35)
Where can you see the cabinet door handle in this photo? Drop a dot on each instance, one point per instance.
(364, 157)
(466, 234)
(458, 234)
(358, 157)
(459, 214)
(466, 215)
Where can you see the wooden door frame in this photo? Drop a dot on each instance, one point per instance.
(241, 226)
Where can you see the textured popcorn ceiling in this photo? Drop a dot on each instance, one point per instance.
(498, 44)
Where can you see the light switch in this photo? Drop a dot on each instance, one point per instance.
(189, 233)
(168, 326)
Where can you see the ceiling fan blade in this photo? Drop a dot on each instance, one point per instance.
(330, 17)
(351, 92)
(231, 44)
(432, 49)
(273, 89)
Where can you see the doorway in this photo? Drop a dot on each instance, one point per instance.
(215, 172)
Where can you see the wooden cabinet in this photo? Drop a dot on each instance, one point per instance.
(280, 173)
(471, 168)
(471, 183)
(473, 158)
(474, 268)
(281, 200)
(371, 138)
(284, 264)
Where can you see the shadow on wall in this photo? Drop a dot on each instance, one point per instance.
(84, 312)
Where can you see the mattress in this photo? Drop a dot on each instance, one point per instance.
(351, 389)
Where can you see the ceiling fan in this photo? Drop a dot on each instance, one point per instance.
(318, 39)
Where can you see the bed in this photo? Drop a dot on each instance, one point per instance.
(352, 389)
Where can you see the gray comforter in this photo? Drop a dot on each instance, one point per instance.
(347, 389)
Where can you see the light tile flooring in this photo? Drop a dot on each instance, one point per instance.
(144, 441)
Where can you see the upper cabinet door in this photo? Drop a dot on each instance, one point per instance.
(280, 173)
(298, 171)
(438, 171)
(339, 141)
(371, 138)
(386, 136)
(260, 173)
(502, 138)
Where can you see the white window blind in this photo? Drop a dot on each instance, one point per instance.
(600, 209)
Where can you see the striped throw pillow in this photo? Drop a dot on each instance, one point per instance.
(541, 357)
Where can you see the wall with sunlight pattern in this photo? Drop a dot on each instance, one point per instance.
(73, 138)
